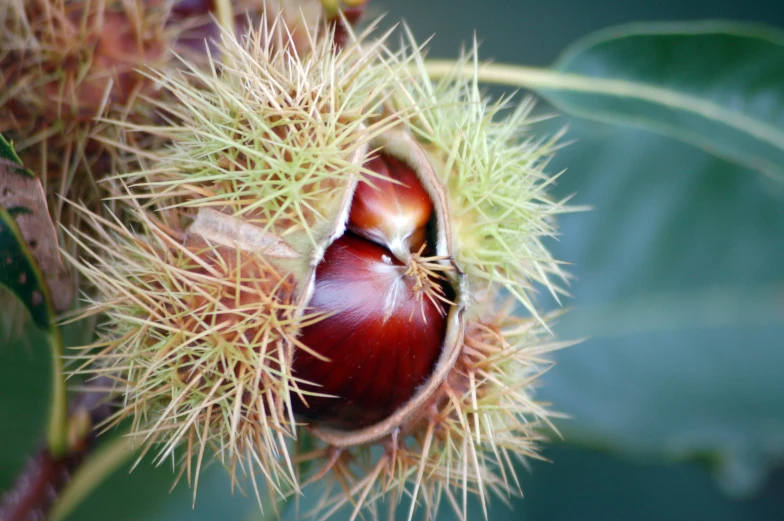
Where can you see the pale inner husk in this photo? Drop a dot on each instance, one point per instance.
(226, 230)
(404, 147)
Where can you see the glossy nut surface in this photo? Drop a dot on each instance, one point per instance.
(382, 339)
(394, 210)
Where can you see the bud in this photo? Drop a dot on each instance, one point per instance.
(319, 250)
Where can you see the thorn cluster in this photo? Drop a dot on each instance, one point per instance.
(268, 135)
(199, 338)
(66, 66)
(494, 170)
(205, 273)
(480, 423)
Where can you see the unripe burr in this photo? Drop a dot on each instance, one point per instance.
(389, 213)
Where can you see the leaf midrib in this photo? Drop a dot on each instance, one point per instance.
(537, 78)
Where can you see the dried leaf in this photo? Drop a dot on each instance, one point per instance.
(23, 198)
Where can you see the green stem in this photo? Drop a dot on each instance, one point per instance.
(99, 466)
(513, 75)
(57, 432)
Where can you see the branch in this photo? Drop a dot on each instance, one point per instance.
(44, 477)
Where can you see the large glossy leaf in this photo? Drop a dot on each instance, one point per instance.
(680, 287)
(582, 485)
(718, 85)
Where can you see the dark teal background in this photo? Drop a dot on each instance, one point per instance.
(534, 32)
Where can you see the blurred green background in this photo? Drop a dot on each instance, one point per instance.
(677, 397)
(535, 32)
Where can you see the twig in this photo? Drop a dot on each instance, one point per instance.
(44, 476)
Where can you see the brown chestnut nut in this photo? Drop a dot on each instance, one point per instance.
(392, 209)
(382, 339)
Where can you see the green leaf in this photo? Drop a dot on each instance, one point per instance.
(719, 85)
(21, 274)
(25, 386)
(680, 289)
(579, 485)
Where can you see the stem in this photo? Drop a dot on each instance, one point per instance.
(57, 431)
(224, 12)
(46, 474)
(512, 75)
(37, 487)
(102, 464)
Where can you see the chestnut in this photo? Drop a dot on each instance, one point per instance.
(392, 209)
(382, 338)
